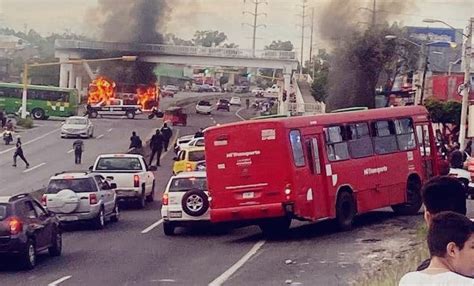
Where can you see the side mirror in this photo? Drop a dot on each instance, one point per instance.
(175, 159)
(153, 168)
(113, 186)
(110, 178)
(90, 168)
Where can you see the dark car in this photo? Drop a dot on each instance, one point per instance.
(26, 229)
(223, 104)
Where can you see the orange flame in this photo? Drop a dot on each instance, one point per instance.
(147, 97)
(101, 89)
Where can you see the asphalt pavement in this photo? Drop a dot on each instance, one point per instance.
(135, 250)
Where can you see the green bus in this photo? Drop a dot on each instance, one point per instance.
(43, 101)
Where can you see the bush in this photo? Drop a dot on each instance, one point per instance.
(25, 122)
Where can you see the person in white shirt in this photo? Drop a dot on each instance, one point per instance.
(451, 245)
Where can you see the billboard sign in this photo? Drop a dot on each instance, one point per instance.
(425, 34)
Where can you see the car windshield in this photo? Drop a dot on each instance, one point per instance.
(184, 184)
(204, 103)
(195, 156)
(3, 211)
(83, 185)
(77, 121)
(119, 164)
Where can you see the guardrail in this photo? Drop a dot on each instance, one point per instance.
(306, 108)
(175, 50)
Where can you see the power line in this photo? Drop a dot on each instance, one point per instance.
(255, 24)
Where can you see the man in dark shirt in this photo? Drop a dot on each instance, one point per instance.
(167, 133)
(442, 194)
(19, 153)
(135, 141)
(156, 145)
(78, 147)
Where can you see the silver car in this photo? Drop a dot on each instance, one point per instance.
(77, 126)
(82, 196)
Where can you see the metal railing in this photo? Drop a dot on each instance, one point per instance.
(174, 50)
(306, 108)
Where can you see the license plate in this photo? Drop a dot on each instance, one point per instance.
(248, 195)
(176, 214)
(69, 218)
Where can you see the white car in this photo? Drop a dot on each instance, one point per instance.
(257, 90)
(77, 126)
(181, 141)
(172, 88)
(235, 100)
(82, 196)
(204, 106)
(195, 142)
(185, 201)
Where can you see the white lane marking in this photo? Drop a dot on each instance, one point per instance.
(100, 136)
(70, 151)
(32, 141)
(148, 229)
(33, 168)
(229, 272)
(110, 130)
(59, 281)
(238, 115)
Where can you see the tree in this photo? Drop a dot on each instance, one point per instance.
(231, 46)
(280, 46)
(319, 67)
(209, 38)
(172, 39)
(447, 113)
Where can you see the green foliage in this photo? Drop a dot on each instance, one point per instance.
(280, 46)
(444, 112)
(319, 69)
(25, 122)
(209, 38)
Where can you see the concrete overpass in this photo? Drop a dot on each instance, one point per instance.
(181, 55)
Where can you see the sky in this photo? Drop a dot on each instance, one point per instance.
(282, 20)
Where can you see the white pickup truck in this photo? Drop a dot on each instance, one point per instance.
(134, 179)
(115, 107)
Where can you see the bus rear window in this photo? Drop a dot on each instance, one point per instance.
(297, 148)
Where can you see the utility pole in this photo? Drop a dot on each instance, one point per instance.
(467, 47)
(311, 44)
(374, 13)
(303, 18)
(255, 24)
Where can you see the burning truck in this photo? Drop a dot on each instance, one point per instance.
(104, 91)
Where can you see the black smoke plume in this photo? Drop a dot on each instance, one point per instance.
(132, 21)
(359, 49)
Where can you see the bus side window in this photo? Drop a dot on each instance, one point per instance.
(297, 148)
(405, 134)
(360, 143)
(384, 138)
(336, 143)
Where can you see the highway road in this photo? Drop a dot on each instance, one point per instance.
(135, 251)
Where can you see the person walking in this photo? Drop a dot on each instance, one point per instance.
(19, 153)
(135, 142)
(167, 134)
(78, 147)
(156, 145)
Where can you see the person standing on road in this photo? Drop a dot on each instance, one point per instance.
(78, 147)
(167, 133)
(199, 134)
(156, 145)
(135, 141)
(19, 153)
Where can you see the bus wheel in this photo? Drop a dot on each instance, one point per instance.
(38, 113)
(275, 227)
(345, 210)
(414, 202)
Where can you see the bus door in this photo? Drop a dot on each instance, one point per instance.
(427, 151)
(314, 197)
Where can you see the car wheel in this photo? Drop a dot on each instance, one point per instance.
(116, 214)
(142, 200)
(168, 228)
(99, 221)
(93, 114)
(130, 114)
(57, 244)
(345, 210)
(195, 203)
(28, 255)
(151, 197)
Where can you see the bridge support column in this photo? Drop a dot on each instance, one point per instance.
(72, 77)
(63, 73)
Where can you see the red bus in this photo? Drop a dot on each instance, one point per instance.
(269, 171)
